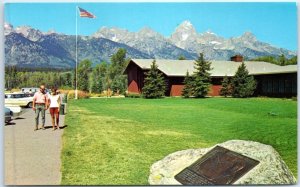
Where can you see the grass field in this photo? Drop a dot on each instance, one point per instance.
(115, 141)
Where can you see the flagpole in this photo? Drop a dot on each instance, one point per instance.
(76, 57)
(83, 13)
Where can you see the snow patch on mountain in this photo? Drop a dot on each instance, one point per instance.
(184, 36)
(8, 28)
(209, 32)
(215, 42)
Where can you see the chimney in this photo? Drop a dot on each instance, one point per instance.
(237, 58)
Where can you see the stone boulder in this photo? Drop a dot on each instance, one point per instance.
(271, 169)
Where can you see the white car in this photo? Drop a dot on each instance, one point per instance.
(19, 99)
(16, 110)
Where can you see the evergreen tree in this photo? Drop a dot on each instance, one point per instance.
(292, 60)
(201, 77)
(11, 77)
(118, 63)
(99, 73)
(243, 84)
(67, 80)
(188, 86)
(118, 84)
(75, 80)
(226, 87)
(181, 57)
(83, 74)
(154, 83)
(107, 83)
(282, 60)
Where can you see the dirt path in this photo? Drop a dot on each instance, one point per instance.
(32, 157)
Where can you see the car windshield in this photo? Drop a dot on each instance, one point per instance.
(29, 95)
(16, 96)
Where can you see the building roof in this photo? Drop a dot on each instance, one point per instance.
(219, 68)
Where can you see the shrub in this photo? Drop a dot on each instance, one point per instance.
(95, 95)
(107, 93)
(80, 94)
(133, 95)
(62, 91)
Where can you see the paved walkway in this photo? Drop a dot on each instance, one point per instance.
(32, 157)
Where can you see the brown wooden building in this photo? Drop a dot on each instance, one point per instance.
(273, 80)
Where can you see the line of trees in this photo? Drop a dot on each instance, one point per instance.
(16, 78)
(95, 79)
(106, 76)
(280, 60)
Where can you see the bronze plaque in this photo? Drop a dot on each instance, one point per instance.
(218, 166)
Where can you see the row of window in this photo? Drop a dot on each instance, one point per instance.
(270, 86)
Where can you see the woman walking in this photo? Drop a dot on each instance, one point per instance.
(54, 100)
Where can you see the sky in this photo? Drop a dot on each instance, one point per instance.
(271, 22)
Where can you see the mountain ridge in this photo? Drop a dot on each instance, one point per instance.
(26, 46)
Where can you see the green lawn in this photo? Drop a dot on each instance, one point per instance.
(115, 141)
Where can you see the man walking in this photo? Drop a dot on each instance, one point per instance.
(40, 104)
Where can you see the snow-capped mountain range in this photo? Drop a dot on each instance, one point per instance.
(26, 46)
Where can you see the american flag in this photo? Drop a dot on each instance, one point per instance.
(86, 14)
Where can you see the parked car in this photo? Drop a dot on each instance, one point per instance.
(7, 115)
(20, 99)
(16, 110)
